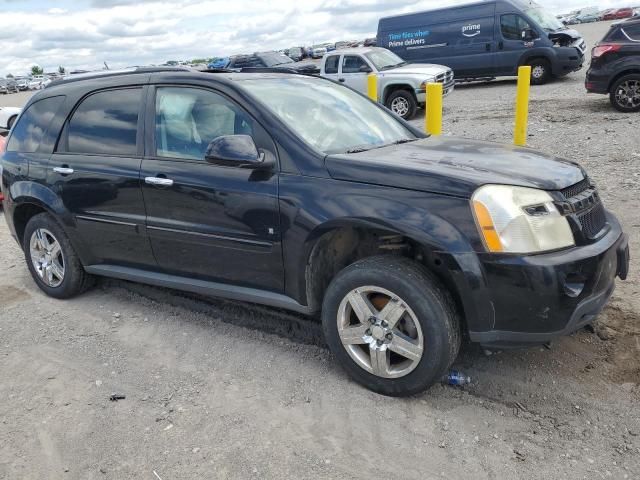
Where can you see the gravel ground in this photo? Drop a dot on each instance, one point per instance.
(224, 390)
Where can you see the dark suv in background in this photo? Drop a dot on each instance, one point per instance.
(297, 192)
(615, 66)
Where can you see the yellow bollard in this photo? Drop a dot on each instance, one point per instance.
(433, 110)
(522, 106)
(372, 87)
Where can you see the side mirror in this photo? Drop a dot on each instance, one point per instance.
(365, 69)
(528, 35)
(236, 151)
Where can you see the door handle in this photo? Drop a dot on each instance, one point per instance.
(157, 181)
(341, 80)
(488, 47)
(500, 45)
(63, 170)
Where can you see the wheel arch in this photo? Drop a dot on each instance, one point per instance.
(337, 244)
(394, 87)
(620, 74)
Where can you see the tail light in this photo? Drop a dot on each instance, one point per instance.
(3, 144)
(600, 50)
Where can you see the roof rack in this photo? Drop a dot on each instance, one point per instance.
(114, 73)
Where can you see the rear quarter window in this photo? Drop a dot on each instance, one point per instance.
(632, 32)
(33, 124)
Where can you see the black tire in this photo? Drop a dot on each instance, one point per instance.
(540, 71)
(402, 103)
(11, 121)
(424, 295)
(75, 279)
(617, 101)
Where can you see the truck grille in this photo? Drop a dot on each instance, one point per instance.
(445, 78)
(582, 202)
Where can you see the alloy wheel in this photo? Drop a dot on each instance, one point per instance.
(46, 257)
(380, 332)
(400, 106)
(537, 72)
(628, 94)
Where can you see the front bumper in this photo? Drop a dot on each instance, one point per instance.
(534, 299)
(447, 89)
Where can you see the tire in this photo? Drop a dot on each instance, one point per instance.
(11, 121)
(625, 93)
(540, 71)
(74, 279)
(429, 320)
(402, 103)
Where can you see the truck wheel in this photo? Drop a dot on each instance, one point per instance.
(625, 93)
(402, 103)
(540, 71)
(391, 325)
(53, 263)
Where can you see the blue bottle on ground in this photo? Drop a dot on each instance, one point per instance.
(454, 377)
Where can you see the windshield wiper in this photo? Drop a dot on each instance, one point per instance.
(405, 140)
(357, 150)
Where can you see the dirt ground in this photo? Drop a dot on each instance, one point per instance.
(225, 390)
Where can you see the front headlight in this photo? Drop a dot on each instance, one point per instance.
(423, 85)
(519, 220)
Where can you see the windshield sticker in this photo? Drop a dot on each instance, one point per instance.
(408, 39)
(471, 30)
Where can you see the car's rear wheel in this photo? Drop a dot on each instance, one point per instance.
(51, 259)
(402, 103)
(625, 93)
(391, 324)
(540, 71)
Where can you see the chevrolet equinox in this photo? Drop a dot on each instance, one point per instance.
(300, 193)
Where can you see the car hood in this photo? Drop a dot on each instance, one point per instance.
(430, 69)
(454, 166)
(566, 32)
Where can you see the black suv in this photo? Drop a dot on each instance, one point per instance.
(271, 60)
(299, 193)
(615, 66)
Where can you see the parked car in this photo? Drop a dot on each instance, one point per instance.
(486, 39)
(609, 14)
(270, 60)
(23, 83)
(370, 42)
(622, 13)
(8, 85)
(636, 12)
(296, 54)
(8, 116)
(588, 17)
(327, 203)
(615, 66)
(39, 82)
(318, 51)
(220, 62)
(401, 85)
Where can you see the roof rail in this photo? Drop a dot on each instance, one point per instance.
(274, 70)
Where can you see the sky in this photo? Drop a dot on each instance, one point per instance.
(83, 34)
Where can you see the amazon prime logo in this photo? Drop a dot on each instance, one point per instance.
(471, 30)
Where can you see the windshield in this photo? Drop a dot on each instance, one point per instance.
(544, 19)
(273, 59)
(329, 117)
(384, 59)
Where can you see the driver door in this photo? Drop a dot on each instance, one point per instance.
(511, 45)
(206, 221)
(351, 71)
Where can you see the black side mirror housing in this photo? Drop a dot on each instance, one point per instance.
(236, 151)
(528, 35)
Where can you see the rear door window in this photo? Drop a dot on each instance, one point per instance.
(512, 26)
(32, 125)
(331, 65)
(352, 64)
(105, 123)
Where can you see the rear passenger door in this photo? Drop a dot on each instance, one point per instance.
(331, 65)
(207, 221)
(95, 170)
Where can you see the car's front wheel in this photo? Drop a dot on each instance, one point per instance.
(391, 325)
(51, 259)
(540, 71)
(402, 103)
(625, 93)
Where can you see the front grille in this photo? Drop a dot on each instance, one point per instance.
(445, 78)
(592, 221)
(583, 204)
(576, 189)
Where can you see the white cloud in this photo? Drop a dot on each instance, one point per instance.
(130, 32)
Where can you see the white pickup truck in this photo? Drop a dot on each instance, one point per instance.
(401, 85)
